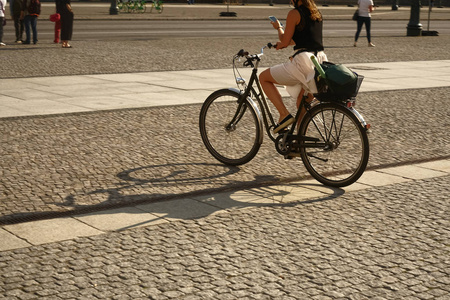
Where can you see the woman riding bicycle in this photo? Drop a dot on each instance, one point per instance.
(304, 30)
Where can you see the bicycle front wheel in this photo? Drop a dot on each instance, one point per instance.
(230, 132)
(336, 148)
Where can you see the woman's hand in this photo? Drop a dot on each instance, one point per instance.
(276, 24)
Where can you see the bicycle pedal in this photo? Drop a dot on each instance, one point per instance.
(292, 155)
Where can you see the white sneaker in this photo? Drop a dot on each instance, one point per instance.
(2, 44)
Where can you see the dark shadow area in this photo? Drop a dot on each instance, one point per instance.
(200, 206)
(121, 195)
(138, 178)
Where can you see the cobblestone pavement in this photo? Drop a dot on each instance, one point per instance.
(107, 57)
(90, 161)
(380, 243)
(388, 242)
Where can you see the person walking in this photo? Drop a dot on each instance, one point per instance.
(56, 18)
(304, 31)
(16, 8)
(31, 9)
(364, 17)
(2, 20)
(64, 9)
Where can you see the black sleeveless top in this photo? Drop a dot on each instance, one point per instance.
(308, 33)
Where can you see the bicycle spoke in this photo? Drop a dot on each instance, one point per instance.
(345, 145)
(228, 129)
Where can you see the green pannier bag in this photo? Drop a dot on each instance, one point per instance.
(340, 84)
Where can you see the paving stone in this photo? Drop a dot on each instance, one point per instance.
(119, 219)
(47, 231)
(65, 163)
(358, 245)
(176, 209)
(11, 241)
(413, 172)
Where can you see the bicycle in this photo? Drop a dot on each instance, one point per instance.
(158, 5)
(122, 6)
(331, 137)
(131, 6)
(141, 6)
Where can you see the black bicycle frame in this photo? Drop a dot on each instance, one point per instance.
(306, 142)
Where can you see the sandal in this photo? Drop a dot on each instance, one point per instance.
(284, 123)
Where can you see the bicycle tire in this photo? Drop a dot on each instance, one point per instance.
(345, 154)
(235, 146)
(131, 7)
(120, 5)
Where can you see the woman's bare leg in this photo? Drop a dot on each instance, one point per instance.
(271, 91)
(309, 99)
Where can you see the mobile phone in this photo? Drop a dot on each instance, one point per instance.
(274, 19)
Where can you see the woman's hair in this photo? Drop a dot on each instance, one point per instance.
(312, 7)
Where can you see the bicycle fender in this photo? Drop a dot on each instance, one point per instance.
(256, 108)
(359, 116)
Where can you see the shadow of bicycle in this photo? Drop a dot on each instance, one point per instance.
(157, 193)
(199, 205)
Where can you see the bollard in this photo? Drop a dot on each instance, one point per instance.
(414, 27)
(394, 4)
(113, 10)
(228, 13)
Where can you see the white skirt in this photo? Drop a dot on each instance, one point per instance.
(298, 73)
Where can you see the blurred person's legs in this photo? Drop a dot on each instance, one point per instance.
(66, 29)
(34, 28)
(359, 23)
(27, 24)
(1, 31)
(368, 23)
(18, 26)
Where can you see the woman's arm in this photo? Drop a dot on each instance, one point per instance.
(285, 36)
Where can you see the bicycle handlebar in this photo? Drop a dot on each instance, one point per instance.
(243, 53)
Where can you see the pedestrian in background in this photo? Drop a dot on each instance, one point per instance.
(364, 17)
(56, 18)
(16, 8)
(31, 9)
(2, 20)
(64, 9)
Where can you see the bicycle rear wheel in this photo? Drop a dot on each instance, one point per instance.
(340, 152)
(231, 143)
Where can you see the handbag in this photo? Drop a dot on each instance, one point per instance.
(55, 17)
(356, 15)
(4, 22)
